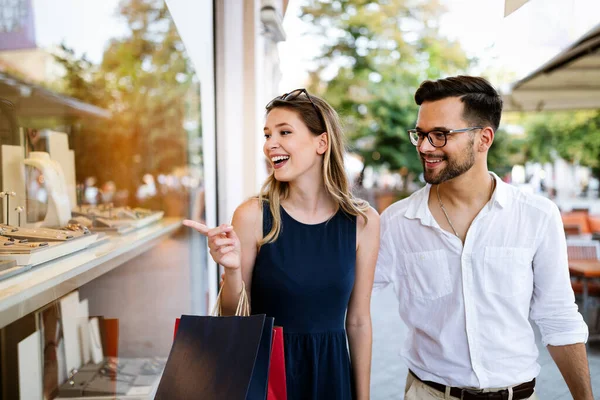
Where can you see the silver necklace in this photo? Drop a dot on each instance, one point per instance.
(437, 189)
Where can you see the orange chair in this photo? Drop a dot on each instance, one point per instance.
(594, 223)
(576, 218)
(584, 250)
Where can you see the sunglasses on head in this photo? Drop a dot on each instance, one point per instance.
(294, 94)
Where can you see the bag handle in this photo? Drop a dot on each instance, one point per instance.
(243, 307)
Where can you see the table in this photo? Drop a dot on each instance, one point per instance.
(587, 270)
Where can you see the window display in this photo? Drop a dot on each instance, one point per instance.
(101, 158)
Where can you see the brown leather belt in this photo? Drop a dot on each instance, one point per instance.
(522, 391)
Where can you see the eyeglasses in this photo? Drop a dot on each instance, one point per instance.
(294, 94)
(437, 138)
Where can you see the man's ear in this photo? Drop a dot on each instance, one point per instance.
(323, 142)
(487, 138)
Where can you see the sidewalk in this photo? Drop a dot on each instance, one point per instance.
(389, 372)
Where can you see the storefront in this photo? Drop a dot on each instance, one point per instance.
(118, 119)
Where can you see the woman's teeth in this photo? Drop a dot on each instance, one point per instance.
(278, 159)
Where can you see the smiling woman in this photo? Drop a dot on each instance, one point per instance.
(305, 224)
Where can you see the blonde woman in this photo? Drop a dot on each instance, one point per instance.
(305, 250)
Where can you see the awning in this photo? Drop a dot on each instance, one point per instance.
(511, 6)
(35, 101)
(569, 81)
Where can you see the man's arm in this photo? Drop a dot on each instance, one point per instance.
(572, 362)
(554, 310)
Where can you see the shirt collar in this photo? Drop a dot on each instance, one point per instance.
(418, 207)
(500, 196)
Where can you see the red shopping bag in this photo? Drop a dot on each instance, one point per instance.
(177, 320)
(277, 386)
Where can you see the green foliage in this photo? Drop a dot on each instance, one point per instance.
(380, 52)
(144, 79)
(506, 151)
(573, 136)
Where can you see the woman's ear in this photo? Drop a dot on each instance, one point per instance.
(323, 141)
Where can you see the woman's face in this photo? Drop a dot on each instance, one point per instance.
(290, 146)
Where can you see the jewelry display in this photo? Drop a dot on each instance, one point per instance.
(7, 195)
(19, 210)
(76, 227)
(112, 375)
(59, 209)
(36, 234)
(106, 217)
(32, 246)
(13, 245)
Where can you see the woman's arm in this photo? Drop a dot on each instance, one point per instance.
(358, 318)
(247, 222)
(234, 247)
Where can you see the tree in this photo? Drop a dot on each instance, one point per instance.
(380, 52)
(144, 79)
(573, 136)
(506, 151)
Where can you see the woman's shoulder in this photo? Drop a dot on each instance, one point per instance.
(250, 210)
(370, 224)
(248, 219)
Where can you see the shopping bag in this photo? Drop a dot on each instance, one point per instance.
(177, 320)
(217, 357)
(260, 374)
(277, 389)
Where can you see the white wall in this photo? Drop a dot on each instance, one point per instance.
(247, 78)
(194, 21)
(246, 68)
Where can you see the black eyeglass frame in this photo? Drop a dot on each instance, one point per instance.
(294, 94)
(416, 136)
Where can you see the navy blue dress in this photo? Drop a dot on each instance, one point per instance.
(304, 280)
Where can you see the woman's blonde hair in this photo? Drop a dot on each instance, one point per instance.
(334, 175)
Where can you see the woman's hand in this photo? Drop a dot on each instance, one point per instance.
(224, 245)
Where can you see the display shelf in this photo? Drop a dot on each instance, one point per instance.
(44, 283)
(41, 255)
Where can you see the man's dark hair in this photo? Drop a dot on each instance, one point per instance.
(482, 103)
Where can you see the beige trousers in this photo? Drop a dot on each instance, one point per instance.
(417, 390)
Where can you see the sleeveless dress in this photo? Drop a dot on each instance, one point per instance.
(304, 280)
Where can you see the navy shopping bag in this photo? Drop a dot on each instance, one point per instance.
(260, 375)
(218, 358)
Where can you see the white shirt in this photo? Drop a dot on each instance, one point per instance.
(467, 308)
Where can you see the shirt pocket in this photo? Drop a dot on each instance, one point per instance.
(507, 270)
(427, 274)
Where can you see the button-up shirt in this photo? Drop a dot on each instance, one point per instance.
(467, 306)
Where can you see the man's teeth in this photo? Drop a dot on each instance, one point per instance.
(433, 161)
(279, 158)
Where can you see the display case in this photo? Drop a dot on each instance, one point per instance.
(102, 156)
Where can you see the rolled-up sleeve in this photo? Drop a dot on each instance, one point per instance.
(553, 306)
(386, 259)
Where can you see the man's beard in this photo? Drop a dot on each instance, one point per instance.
(453, 168)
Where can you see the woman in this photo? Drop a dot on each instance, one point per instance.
(306, 250)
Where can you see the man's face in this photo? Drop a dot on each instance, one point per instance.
(458, 155)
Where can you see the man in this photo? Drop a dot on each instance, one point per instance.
(472, 258)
